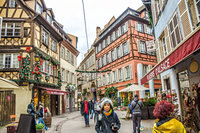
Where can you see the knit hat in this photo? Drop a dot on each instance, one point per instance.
(104, 101)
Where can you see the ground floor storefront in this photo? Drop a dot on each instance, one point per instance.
(49, 97)
(180, 79)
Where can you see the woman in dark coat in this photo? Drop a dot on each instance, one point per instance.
(108, 121)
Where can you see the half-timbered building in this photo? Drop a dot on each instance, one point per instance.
(121, 48)
(30, 53)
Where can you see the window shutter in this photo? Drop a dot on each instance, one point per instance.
(138, 46)
(145, 28)
(124, 73)
(126, 26)
(136, 25)
(131, 71)
(120, 32)
(121, 51)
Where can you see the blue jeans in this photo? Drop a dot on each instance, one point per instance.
(34, 118)
(42, 121)
(86, 117)
(92, 114)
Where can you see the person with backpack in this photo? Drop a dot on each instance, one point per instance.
(92, 108)
(136, 106)
(31, 110)
(108, 121)
(40, 114)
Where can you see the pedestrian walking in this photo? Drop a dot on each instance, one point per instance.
(85, 111)
(165, 123)
(108, 121)
(136, 107)
(31, 110)
(40, 114)
(92, 108)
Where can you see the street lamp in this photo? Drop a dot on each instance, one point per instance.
(37, 58)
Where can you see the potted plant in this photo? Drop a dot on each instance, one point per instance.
(151, 105)
(40, 128)
(145, 113)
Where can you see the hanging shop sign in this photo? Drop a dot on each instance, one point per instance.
(183, 51)
(150, 46)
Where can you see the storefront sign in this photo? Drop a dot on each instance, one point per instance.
(187, 48)
(150, 46)
(56, 93)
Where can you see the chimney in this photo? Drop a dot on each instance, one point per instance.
(98, 31)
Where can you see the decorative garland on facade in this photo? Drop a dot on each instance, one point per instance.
(37, 72)
(93, 71)
(46, 57)
(25, 69)
(59, 79)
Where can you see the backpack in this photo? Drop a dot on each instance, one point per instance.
(29, 110)
(130, 107)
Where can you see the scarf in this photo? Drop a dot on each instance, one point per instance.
(107, 113)
(86, 107)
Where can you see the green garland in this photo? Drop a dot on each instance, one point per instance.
(25, 69)
(93, 71)
(47, 57)
(59, 79)
(36, 82)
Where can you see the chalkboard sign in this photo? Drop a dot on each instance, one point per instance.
(26, 124)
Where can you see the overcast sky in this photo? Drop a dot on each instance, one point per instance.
(98, 13)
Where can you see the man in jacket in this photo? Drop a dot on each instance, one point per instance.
(85, 110)
(136, 106)
(31, 109)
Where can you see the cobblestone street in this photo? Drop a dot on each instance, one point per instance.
(74, 122)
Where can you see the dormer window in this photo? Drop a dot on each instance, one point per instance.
(38, 8)
(12, 3)
(49, 19)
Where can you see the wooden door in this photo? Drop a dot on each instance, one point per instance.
(7, 106)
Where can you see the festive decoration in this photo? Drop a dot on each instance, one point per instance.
(54, 67)
(19, 58)
(93, 71)
(37, 72)
(59, 79)
(47, 78)
(28, 49)
(47, 57)
(25, 71)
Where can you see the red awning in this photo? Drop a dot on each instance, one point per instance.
(189, 46)
(54, 91)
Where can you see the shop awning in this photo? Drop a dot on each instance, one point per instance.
(54, 91)
(188, 46)
(7, 84)
(134, 87)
